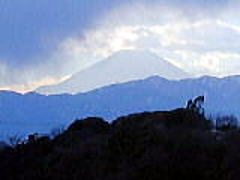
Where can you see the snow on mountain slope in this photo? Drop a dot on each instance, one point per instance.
(121, 67)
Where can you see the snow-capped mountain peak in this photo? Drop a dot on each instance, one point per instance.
(121, 67)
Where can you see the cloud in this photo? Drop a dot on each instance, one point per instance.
(202, 37)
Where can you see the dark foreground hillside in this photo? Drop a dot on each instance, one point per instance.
(148, 146)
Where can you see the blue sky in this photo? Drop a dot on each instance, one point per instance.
(46, 41)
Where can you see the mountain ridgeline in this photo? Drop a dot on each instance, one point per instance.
(32, 112)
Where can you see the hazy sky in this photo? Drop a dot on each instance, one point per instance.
(46, 41)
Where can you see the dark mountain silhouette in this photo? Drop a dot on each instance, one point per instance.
(129, 148)
(169, 145)
(3, 145)
(24, 114)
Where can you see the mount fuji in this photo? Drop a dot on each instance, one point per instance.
(121, 67)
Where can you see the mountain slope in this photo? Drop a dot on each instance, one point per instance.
(20, 114)
(121, 67)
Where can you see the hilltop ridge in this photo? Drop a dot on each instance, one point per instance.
(131, 147)
(148, 145)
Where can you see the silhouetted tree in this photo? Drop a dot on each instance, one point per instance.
(56, 131)
(15, 140)
(226, 122)
(196, 105)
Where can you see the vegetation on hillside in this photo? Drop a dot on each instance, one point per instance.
(148, 146)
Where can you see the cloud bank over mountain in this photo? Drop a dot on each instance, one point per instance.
(44, 43)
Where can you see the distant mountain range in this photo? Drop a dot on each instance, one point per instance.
(20, 114)
(121, 67)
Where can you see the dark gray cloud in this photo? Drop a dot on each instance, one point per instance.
(50, 39)
(31, 28)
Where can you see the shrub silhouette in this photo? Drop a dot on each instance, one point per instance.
(225, 123)
(196, 104)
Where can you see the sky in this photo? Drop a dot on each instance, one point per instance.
(44, 42)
